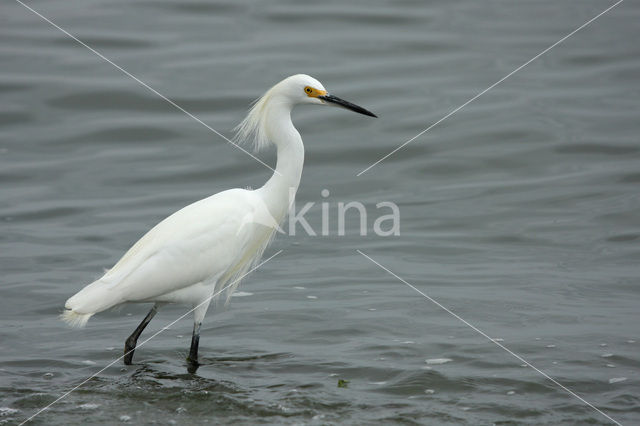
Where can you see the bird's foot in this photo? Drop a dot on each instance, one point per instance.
(192, 365)
(129, 350)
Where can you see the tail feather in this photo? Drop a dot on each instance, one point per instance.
(96, 297)
(75, 319)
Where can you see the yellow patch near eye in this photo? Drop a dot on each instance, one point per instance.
(314, 93)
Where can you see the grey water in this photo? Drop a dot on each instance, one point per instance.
(519, 213)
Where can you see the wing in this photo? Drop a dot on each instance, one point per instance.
(200, 242)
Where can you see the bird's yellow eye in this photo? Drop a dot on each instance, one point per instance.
(314, 93)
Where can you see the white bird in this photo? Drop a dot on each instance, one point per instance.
(200, 249)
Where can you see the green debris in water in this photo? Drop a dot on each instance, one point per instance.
(343, 383)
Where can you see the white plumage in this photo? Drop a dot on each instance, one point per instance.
(182, 258)
(198, 250)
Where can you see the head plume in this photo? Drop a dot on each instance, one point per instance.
(290, 91)
(252, 130)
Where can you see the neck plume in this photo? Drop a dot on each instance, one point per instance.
(269, 122)
(253, 129)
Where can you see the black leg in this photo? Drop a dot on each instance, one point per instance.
(192, 359)
(130, 343)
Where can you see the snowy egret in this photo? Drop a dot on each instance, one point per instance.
(200, 249)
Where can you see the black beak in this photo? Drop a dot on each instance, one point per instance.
(345, 104)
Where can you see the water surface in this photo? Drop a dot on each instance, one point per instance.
(519, 213)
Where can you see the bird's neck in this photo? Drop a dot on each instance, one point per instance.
(280, 189)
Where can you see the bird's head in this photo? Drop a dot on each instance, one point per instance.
(294, 90)
(304, 89)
